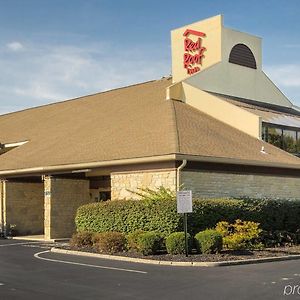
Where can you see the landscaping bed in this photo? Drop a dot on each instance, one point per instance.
(218, 229)
(224, 255)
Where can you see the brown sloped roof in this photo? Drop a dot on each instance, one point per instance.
(124, 123)
(200, 134)
(131, 122)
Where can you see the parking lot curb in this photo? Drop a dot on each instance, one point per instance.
(175, 263)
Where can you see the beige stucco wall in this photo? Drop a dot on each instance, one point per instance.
(24, 207)
(123, 183)
(212, 27)
(217, 74)
(218, 184)
(62, 198)
(217, 108)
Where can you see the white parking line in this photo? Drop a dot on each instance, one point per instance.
(16, 244)
(37, 255)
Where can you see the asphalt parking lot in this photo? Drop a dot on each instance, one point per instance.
(29, 271)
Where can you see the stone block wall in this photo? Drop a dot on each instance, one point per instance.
(217, 184)
(62, 198)
(124, 182)
(24, 207)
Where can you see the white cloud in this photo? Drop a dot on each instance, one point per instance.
(15, 46)
(287, 78)
(45, 74)
(287, 75)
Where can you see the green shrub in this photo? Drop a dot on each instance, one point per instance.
(109, 242)
(128, 216)
(175, 243)
(81, 239)
(149, 243)
(161, 215)
(209, 241)
(239, 235)
(132, 240)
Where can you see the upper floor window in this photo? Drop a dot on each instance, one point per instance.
(282, 137)
(242, 55)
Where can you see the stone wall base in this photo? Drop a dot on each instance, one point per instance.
(123, 185)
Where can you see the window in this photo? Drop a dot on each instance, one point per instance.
(242, 55)
(282, 137)
(289, 141)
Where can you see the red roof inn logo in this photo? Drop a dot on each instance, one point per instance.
(194, 52)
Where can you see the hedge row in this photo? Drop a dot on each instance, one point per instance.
(161, 215)
(128, 216)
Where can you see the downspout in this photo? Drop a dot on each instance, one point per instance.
(184, 161)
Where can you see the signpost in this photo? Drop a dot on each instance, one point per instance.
(184, 206)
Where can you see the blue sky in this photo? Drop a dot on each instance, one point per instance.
(51, 50)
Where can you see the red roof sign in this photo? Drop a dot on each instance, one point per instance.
(194, 51)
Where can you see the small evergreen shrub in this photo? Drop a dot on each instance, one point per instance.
(209, 241)
(109, 242)
(149, 243)
(132, 240)
(81, 239)
(240, 235)
(175, 243)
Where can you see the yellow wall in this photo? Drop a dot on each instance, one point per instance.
(212, 42)
(217, 108)
(217, 74)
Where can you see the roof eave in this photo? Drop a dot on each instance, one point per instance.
(235, 161)
(90, 165)
(151, 159)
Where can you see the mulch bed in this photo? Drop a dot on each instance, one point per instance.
(225, 255)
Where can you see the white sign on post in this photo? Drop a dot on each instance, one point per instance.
(184, 202)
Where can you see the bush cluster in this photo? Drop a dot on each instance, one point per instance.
(149, 243)
(161, 215)
(209, 241)
(133, 240)
(82, 239)
(175, 243)
(240, 235)
(109, 242)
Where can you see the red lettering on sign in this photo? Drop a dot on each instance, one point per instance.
(194, 51)
(194, 32)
